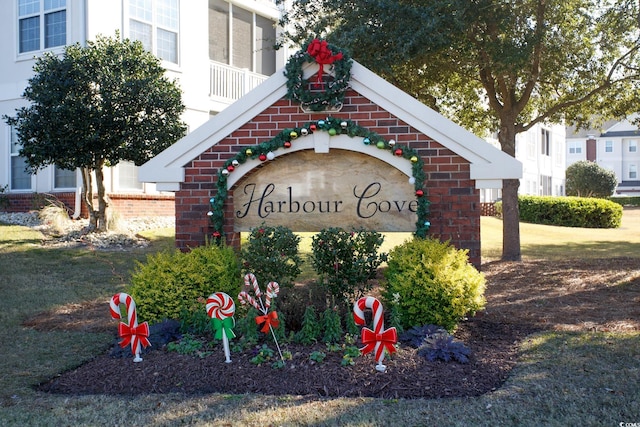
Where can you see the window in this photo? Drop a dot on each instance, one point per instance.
(64, 178)
(545, 185)
(575, 147)
(608, 146)
(42, 24)
(155, 23)
(633, 171)
(633, 146)
(241, 38)
(128, 176)
(20, 178)
(559, 155)
(545, 142)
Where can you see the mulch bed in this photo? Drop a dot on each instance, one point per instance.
(522, 298)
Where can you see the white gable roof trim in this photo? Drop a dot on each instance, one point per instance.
(488, 165)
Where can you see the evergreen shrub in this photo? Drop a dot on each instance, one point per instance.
(346, 261)
(432, 282)
(171, 283)
(271, 254)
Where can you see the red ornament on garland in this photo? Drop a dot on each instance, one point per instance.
(312, 127)
(230, 168)
(287, 144)
(398, 152)
(263, 157)
(419, 193)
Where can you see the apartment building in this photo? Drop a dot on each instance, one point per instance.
(541, 150)
(615, 148)
(217, 50)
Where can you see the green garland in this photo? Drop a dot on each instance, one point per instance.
(333, 126)
(334, 90)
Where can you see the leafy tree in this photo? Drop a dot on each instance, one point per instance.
(490, 64)
(94, 106)
(588, 179)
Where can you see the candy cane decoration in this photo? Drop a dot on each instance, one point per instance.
(269, 320)
(244, 297)
(130, 332)
(272, 291)
(377, 340)
(220, 307)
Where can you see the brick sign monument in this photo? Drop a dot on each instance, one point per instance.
(329, 144)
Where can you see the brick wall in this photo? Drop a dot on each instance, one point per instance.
(140, 205)
(455, 203)
(127, 205)
(25, 202)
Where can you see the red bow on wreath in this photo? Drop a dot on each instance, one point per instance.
(319, 50)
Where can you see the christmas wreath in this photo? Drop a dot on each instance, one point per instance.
(333, 126)
(325, 93)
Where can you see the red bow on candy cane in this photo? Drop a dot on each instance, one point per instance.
(319, 50)
(387, 338)
(270, 319)
(136, 333)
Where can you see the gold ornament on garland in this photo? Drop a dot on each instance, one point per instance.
(330, 95)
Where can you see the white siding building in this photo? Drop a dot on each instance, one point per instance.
(615, 148)
(541, 150)
(216, 49)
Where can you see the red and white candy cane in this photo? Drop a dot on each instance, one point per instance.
(131, 332)
(244, 297)
(272, 291)
(220, 307)
(268, 320)
(379, 339)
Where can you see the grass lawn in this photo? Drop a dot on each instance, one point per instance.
(562, 378)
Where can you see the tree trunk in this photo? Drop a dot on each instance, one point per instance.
(510, 209)
(87, 197)
(510, 220)
(103, 204)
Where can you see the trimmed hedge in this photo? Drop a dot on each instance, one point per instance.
(587, 212)
(626, 200)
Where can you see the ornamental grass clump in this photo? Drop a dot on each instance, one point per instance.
(172, 283)
(432, 282)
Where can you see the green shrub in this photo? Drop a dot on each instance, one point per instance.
(271, 254)
(332, 326)
(172, 282)
(621, 200)
(432, 282)
(589, 179)
(346, 261)
(311, 327)
(570, 211)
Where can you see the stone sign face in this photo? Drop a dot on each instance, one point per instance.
(309, 191)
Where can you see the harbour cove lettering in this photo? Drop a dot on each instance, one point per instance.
(365, 201)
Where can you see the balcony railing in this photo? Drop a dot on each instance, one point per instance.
(227, 83)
